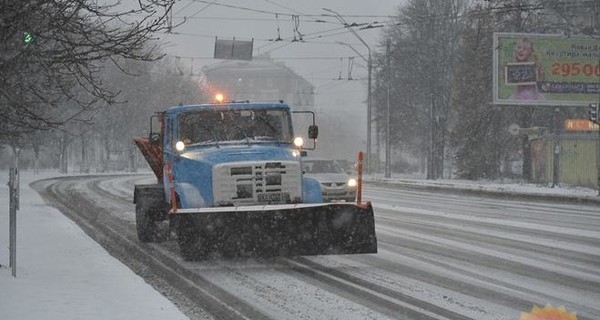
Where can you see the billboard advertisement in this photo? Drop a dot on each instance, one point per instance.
(552, 70)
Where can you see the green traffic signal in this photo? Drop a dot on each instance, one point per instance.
(28, 38)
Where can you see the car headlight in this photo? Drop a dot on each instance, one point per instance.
(351, 182)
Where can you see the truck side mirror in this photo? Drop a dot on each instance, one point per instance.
(154, 137)
(313, 131)
(156, 120)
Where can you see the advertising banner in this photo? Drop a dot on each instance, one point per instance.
(552, 70)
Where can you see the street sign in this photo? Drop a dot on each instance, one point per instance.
(580, 125)
(233, 49)
(514, 129)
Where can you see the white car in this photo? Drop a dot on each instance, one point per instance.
(335, 183)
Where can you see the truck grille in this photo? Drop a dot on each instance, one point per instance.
(264, 182)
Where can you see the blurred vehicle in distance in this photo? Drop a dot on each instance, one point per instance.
(336, 184)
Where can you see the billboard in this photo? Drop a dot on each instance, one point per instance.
(552, 70)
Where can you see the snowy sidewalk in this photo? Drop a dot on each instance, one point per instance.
(62, 273)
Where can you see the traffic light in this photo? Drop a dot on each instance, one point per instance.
(593, 112)
(28, 38)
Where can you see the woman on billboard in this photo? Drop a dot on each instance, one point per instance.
(525, 73)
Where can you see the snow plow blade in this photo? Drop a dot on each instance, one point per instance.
(276, 230)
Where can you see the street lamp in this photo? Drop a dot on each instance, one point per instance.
(355, 51)
(369, 64)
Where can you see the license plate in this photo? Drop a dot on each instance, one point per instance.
(273, 196)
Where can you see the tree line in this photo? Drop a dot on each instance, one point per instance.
(439, 82)
(77, 76)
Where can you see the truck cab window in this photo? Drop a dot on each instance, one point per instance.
(234, 126)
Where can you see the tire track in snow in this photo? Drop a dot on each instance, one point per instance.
(455, 233)
(157, 268)
(458, 264)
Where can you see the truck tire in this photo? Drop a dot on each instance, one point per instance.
(192, 244)
(144, 222)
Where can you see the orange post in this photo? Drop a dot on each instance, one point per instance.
(171, 180)
(359, 169)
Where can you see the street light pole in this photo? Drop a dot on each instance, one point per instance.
(369, 66)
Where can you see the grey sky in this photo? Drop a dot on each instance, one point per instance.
(205, 21)
(194, 43)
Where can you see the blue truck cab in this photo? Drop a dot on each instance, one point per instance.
(233, 154)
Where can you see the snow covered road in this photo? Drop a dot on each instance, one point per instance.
(441, 256)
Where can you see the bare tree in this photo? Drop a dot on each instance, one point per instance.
(52, 50)
(424, 46)
(146, 87)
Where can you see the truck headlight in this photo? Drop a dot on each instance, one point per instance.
(180, 146)
(351, 182)
(298, 142)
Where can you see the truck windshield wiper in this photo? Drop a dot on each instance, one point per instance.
(206, 142)
(214, 139)
(242, 131)
(273, 129)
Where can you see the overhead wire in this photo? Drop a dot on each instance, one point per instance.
(574, 4)
(279, 47)
(295, 18)
(331, 32)
(273, 58)
(393, 19)
(184, 7)
(252, 19)
(286, 14)
(244, 8)
(282, 6)
(204, 8)
(346, 27)
(308, 36)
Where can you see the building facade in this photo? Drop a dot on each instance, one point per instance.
(260, 79)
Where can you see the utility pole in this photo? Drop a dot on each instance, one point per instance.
(83, 167)
(526, 112)
(369, 67)
(13, 185)
(387, 125)
(432, 150)
(555, 149)
(598, 158)
(594, 118)
(432, 163)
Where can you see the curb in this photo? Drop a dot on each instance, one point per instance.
(457, 189)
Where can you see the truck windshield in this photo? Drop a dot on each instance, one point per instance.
(234, 126)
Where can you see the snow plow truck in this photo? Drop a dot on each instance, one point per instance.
(230, 181)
